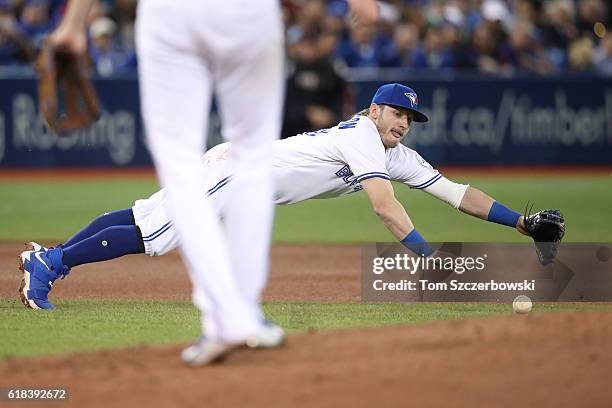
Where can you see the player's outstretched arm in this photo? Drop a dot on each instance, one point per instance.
(481, 205)
(474, 202)
(546, 227)
(387, 208)
(393, 215)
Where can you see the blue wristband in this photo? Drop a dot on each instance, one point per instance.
(501, 214)
(417, 244)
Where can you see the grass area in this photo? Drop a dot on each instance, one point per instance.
(87, 325)
(54, 210)
(584, 202)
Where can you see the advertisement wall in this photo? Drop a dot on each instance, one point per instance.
(518, 121)
(473, 121)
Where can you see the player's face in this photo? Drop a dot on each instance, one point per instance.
(393, 125)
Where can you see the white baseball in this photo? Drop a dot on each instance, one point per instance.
(522, 304)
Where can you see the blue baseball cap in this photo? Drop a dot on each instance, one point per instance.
(398, 95)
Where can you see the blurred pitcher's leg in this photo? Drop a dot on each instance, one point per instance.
(175, 90)
(250, 93)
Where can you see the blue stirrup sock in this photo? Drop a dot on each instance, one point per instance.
(121, 217)
(501, 214)
(417, 244)
(110, 243)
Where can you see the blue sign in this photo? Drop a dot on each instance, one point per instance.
(115, 140)
(510, 121)
(473, 121)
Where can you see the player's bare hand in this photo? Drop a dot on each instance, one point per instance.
(364, 12)
(70, 39)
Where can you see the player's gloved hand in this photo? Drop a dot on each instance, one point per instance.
(66, 96)
(547, 228)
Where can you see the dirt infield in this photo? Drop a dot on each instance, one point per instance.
(556, 360)
(299, 273)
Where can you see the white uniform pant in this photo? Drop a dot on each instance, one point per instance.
(158, 232)
(186, 50)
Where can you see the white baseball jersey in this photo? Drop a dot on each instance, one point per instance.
(323, 164)
(333, 162)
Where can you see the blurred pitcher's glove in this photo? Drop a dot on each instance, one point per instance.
(66, 98)
(547, 228)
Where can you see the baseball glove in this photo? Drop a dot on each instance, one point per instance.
(67, 99)
(547, 228)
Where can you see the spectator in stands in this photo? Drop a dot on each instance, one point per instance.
(485, 54)
(590, 12)
(498, 16)
(15, 46)
(34, 20)
(400, 52)
(456, 40)
(581, 55)
(462, 14)
(125, 15)
(315, 91)
(558, 31)
(105, 52)
(525, 50)
(435, 53)
(388, 20)
(602, 56)
(528, 11)
(364, 47)
(308, 22)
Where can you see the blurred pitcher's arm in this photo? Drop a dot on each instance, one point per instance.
(364, 12)
(71, 34)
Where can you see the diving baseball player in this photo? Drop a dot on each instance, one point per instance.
(186, 50)
(362, 153)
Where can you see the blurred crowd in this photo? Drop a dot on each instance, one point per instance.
(497, 37)
(24, 24)
(493, 36)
